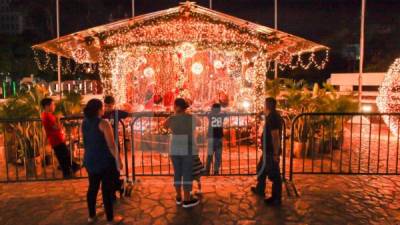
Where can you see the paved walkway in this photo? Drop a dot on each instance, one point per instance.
(227, 200)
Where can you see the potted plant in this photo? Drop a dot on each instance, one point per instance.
(24, 139)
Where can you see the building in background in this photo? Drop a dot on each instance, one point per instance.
(11, 21)
(347, 83)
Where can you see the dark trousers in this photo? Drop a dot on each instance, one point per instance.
(266, 167)
(107, 180)
(214, 147)
(64, 158)
(183, 167)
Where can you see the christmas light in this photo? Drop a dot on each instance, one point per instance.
(148, 72)
(159, 54)
(218, 64)
(186, 49)
(388, 100)
(197, 68)
(246, 104)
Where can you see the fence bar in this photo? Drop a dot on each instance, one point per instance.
(379, 144)
(341, 143)
(351, 145)
(360, 147)
(388, 147)
(369, 143)
(332, 124)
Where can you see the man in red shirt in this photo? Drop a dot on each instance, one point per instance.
(56, 138)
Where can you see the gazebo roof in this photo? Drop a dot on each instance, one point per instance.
(187, 22)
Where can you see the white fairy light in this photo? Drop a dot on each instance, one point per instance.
(148, 72)
(197, 68)
(218, 64)
(388, 100)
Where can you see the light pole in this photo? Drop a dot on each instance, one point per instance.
(276, 28)
(361, 65)
(133, 8)
(58, 55)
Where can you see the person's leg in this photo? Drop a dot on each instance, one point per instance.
(177, 165)
(62, 154)
(218, 155)
(91, 196)
(276, 184)
(187, 168)
(117, 183)
(107, 191)
(210, 154)
(261, 175)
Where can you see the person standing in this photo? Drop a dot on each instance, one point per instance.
(112, 115)
(100, 160)
(56, 138)
(182, 124)
(268, 166)
(215, 137)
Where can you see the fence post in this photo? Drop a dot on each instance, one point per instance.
(133, 147)
(283, 143)
(125, 150)
(292, 145)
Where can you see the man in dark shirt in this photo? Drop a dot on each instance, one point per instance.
(268, 166)
(215, 135)
(110, 112)
(113, 115)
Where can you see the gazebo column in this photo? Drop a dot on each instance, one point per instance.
(260, 67)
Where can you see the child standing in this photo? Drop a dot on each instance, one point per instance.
(56, 138)
(215, 135)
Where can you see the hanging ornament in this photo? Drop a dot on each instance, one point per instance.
(148, 72)
(218, 64)
(186, 50)
(168, 98)
(197, 68)
(388, 100)
(81, 55)
(157, 99)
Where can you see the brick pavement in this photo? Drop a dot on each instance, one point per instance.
(226, 200)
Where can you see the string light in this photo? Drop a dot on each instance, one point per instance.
(160, 48)
(218, 64)
(148, 72)
(197, 68)
(388, 100)
(186, 49)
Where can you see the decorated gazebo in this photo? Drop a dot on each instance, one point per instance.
(187, 51)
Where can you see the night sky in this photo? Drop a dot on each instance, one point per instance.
(334, 23)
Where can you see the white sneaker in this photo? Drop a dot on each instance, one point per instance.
(92, 220)
(191, 203)
(178, 201)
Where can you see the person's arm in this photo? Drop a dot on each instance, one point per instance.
(123, 114)
(107, 130)
(276, 143)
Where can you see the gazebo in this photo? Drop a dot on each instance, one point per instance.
(187, 51)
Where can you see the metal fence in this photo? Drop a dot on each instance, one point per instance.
(345, 143)
(143, 143)
(150, 143)
(320, 143)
